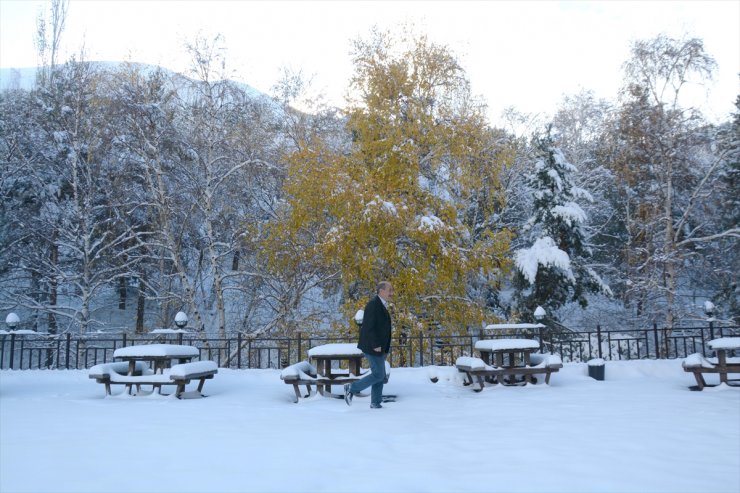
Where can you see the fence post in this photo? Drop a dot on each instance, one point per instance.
(657, 342)
(249, 352)
(66, 349)
(300, 347)
(123, 341)
(421, 349)
(410, 342)
(239, 351)
(711, 329)
(598, 339)
(12, 349)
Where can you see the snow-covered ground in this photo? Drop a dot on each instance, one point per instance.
(640, 430)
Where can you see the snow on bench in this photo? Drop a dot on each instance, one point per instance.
(697, 360)
(302, 370)
(472, 363)
(301, 373)
(119, 368)
(549, 360)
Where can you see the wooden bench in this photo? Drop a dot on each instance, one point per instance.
(183, 373)
(699, 365)
(475, 369)
(301, 373)
(304, 373)
(179, 375)
(102, 373)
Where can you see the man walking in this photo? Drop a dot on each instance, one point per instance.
(375, 342)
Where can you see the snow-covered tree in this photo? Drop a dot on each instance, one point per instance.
(668, 170)
(552, 267)
(399, 198)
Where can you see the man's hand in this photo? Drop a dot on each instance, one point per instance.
(377, 349)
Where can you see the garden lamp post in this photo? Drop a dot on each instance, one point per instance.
(12, 320)
(358, 317)
(181, 320)
(539, 315)
(709, 310)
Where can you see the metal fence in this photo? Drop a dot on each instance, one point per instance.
(67, 351)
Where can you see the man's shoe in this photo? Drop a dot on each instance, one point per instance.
(347, 394)
(375, 406)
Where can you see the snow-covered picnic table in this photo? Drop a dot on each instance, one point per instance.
(322, 372)
(133, 368)
(503, 360)
(722, 364)
(161, 355)
(506, 352)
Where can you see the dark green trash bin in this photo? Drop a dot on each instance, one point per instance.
(596, 368)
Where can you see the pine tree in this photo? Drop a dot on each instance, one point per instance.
(553, 269)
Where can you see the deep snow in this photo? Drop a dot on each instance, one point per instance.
(640, 430)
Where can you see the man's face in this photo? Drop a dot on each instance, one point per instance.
(387, 292)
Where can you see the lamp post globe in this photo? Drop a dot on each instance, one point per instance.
(181, 319)
(539, 313)
(12, 320)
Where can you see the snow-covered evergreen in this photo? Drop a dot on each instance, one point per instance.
(554, 268)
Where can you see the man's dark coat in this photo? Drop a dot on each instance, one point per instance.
(376, 328)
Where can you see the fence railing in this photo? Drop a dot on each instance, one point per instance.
(68, 351)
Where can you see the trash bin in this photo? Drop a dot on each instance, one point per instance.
(596, 368)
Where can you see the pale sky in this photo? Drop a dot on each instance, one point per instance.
(526, 54)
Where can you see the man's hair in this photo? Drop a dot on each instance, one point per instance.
(381, 285)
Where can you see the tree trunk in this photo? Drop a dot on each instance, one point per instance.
(53, 286)
(121, 293)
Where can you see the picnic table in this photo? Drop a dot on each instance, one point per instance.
(503, 361)
(324, 357)
(160, 355)
(326, 368)
(151, 364)
(723, 365)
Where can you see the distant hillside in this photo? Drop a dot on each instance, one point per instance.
(17, 78)
(25, 77)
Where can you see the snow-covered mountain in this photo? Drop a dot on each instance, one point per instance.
(17, 78)
(25, 77)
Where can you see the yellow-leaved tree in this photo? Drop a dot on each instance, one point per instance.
(409, 195)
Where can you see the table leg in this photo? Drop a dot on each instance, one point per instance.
(525, 360)
(486, 357)
(354, 366)
(722, 360)
(131, 370)
(321, 371)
